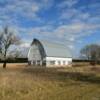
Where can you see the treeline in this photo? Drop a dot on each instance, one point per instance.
(91, 53)
(84, 61)
(80, 60)
(16, 60)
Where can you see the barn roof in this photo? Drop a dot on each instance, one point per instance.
(55, 49)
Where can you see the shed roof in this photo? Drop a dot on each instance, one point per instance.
(55, 49)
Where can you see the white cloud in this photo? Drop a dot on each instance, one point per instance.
(46, 4)
(80, 23)
(25, 45)
(13, 10)
(73, 14)
(18, 7)
(69, 33)
(67, 3)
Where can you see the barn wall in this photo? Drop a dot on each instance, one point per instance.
(34, 53)
(55, 61)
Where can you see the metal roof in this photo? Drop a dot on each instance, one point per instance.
(55, 49)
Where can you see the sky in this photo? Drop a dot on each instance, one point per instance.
(74, 23)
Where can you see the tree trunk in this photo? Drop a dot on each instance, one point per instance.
(4, 64)
(5, 61)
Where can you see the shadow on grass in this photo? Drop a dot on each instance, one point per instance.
(77, 76)
(54, 74)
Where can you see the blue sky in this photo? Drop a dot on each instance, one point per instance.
(75, 23)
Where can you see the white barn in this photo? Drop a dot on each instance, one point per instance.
(49, 54)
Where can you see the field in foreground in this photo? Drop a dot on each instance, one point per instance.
(19, 82)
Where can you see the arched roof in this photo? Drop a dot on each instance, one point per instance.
(55, 49)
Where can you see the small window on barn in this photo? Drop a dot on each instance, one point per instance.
(64, 62)
(34, 62)
(69, 62)
(38, 62)
(59, 63)
(52, 62)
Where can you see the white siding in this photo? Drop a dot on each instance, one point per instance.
(58, 61)
(34, 53)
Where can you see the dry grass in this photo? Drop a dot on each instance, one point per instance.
(19, 82)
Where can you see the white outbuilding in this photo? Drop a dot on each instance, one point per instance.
(49, 54)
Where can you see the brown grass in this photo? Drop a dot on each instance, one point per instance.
(21, 82)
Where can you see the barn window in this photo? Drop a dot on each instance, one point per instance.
(69, 62)
(59, 63)
(38, 62)
(52, 62)
(64, 62)
(34, 62)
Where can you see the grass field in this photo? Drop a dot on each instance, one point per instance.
(20, 82)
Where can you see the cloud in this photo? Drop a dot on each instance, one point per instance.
(69, 33)
(67, 3)
(25, 45)
(79, 13)
(21, 8)
(72, 14)
(14, 10)
(74, 22)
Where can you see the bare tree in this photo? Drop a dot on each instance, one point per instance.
(85, 52)
(7, 39)
(91, 52)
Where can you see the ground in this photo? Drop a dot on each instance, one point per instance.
(22, 82)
